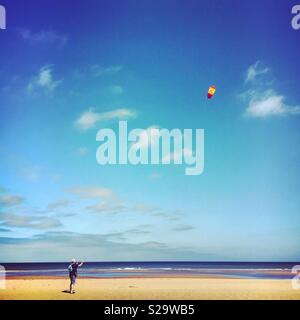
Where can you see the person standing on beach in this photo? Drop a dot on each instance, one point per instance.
(73, 273)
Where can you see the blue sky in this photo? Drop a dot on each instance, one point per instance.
(153, 61)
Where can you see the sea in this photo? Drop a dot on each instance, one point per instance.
(252, 270)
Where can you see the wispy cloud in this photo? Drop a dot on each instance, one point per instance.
(144, 208)
(43, 36)
(92, 192)
(173, 216)
(43, 80)
(88, 119)
(107, 201)
(129, 234)
(183, 227)
(269, 103)
(262, 100)
(7, 200)
(255, 70)
(13, 220)
(59, 204)
(91, 246)
(103, 200)
(97, 70)
(107, 207)
(114, 205)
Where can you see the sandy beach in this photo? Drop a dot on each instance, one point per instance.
(149, 288)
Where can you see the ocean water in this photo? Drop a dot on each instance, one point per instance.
(256, 270)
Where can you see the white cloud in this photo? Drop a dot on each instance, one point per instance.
(97, 70)
(255, 70)
(56, 246)
(107, 207)
(113, 205)
(268, 104)
(144, 208)
(26, 221)
(10, 200)
(43, 36)
(44, 80)
(62, 203)
(173, 216)
(45, 223)
(263, 101)
(92, 192)
(183, 227)
(89, 118)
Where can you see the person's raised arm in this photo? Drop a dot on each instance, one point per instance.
(82, 262)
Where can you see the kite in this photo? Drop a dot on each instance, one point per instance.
(211, 91)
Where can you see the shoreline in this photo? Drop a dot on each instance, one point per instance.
(148, 276)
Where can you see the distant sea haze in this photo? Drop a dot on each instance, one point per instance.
(255, 270)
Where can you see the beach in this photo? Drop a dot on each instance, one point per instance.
(139, 288)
